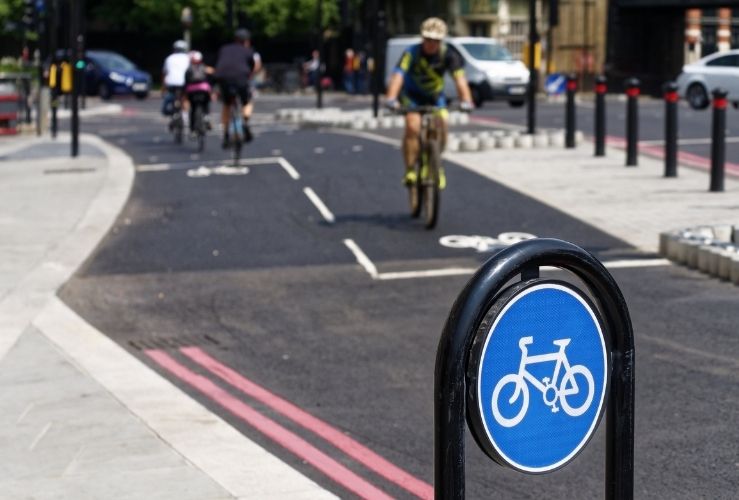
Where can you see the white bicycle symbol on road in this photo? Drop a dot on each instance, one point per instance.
(551, 392)
(483, 243)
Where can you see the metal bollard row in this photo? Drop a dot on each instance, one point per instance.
(718, 140)
(632, 121)
(671, 100)
(600, 115)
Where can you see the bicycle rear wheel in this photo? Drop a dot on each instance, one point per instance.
(199, 127)
(237, 137)
(177, 127)
(431, 185)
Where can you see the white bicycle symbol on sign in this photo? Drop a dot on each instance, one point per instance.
(550, 391)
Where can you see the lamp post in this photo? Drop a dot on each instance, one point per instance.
(186, 19)
(319, 41)
(533, 70)
(229, 16)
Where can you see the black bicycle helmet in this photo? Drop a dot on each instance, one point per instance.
(242, 34)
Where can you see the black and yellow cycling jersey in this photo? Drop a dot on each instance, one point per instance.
(423, 74)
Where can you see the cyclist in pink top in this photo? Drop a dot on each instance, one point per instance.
(197, 87)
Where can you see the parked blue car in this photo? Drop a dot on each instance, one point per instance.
(109, 73)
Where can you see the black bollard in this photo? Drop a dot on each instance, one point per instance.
(718, 140)
(54, 108)
(632, 121)
(570, 111)
(600, 115)
(671, 99)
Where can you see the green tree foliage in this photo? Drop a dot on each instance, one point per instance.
(11, 12)
(280, 17)
(158, 16)
(267, 17)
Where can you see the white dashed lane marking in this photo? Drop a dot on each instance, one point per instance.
(322, 208)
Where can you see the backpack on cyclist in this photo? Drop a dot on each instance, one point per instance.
(196, 73)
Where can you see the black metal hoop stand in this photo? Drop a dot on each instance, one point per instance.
(467, 313)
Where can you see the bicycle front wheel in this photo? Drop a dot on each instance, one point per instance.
(415, 193)
(431, 185)
(578, 385)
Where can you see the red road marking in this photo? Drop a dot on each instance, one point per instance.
(354, 449)
(683, 157)
(270, 428)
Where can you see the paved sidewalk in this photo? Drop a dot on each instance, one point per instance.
(631, 203)
(80, 417)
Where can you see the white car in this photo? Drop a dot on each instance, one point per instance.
(699, 79)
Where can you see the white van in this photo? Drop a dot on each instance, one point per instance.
(490, 69)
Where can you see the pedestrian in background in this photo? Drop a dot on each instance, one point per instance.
(312, 68)
(360, 73)
(349, 71)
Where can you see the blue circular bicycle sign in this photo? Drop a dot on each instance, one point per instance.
(538, 372)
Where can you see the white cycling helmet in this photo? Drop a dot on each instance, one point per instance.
(196, 57)
(180, 46)
(433, 28)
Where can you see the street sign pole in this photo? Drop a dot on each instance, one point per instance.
(378, 69)
(489, 299)
(75, 13)
(229, 17)
(319, 40)
(533, 73)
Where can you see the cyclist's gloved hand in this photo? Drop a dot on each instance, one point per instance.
(466, 106)
(392, 104)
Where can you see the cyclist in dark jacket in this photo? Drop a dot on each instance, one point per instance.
(237, 62)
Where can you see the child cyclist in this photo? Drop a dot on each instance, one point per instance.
(197, 88)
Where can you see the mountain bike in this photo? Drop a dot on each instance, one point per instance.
(423, 195)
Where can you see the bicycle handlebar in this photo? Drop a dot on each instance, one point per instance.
(427, 109)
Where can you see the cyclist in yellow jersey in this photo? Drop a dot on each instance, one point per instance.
(418, 80)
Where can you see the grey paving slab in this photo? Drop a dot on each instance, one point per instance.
(50, 149)
(64, 436)
(634, 204)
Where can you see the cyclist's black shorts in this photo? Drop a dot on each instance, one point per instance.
(231, 90)
(176, 90)
(199, 98)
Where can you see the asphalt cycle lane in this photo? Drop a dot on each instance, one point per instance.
(302, 319)
(360, 181)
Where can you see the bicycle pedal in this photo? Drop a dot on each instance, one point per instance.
(555, 409)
